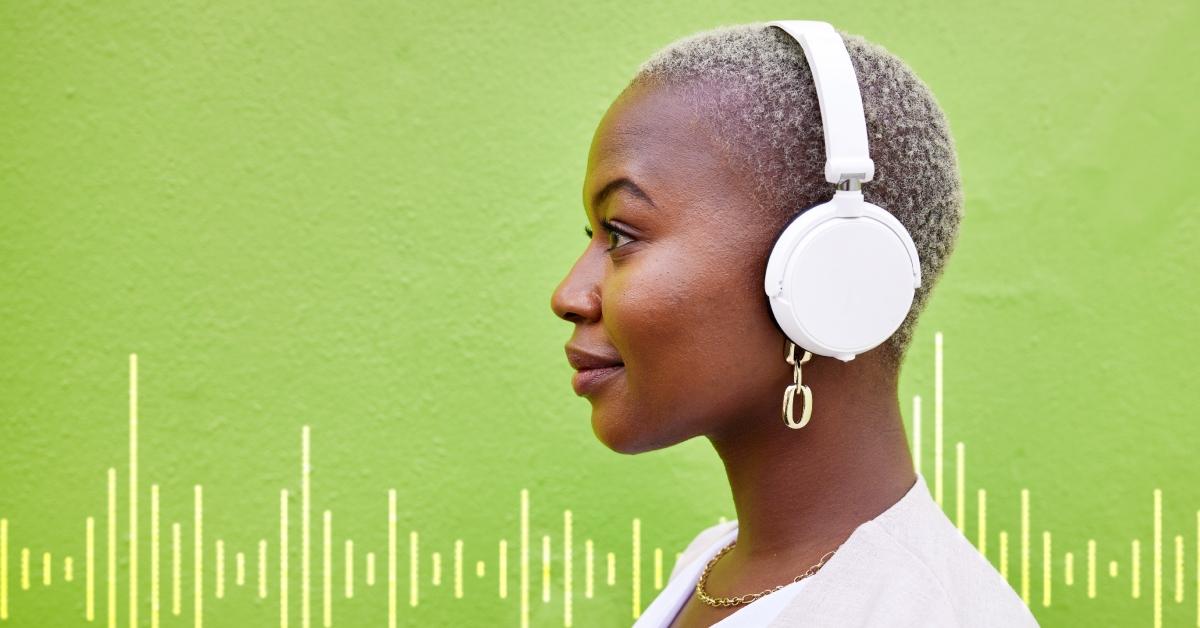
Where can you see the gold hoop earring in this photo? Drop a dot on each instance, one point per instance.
(789, 395)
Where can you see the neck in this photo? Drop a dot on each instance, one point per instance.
(800, 493)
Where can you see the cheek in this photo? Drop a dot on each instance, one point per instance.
(694, 339)
(651, 314)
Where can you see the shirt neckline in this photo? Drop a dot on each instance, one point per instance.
(905, 504)
(680, 589)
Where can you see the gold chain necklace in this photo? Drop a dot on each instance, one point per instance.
(749, 597)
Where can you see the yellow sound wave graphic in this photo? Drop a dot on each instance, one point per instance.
(215, 581)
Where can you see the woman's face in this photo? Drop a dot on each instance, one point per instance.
(669, 284)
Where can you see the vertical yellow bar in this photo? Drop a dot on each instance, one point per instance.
(112, 548)
(1135, 578)
(68, 569)
(133, 491)
(283, 558)
(349, 551)
(567, 567)
(588, 568)
(937, 417)
(1178, 569)
(305, 524)
(1069, 569)
(198, 558)
(545, 568)
(240, 569)
(24, 568)
(1025, 545)
(413, 562)
(479, 571)
(1112, 568)
(982, 499)
(3, 569)
(176, 569)
(90, 570)
(1091, 568)
(658, 568)
(1046, 560)
(916, 434)
(391, 567)
(47, 569)
(612, 569)
(960, 472)
(637, 568)
(370, 569)
(154, 557)
(327, 568)
(1157, 558)
(524, 558)
(437, 569)
(458, 560)
(1004, 554)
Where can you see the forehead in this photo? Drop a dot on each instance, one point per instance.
(654, 136)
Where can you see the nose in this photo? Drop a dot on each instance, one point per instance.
(577, 297)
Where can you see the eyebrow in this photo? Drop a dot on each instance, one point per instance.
(620, 183)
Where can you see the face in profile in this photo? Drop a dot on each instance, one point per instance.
(672, 330)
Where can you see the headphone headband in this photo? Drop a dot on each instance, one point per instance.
(842, 119)
(842, 276)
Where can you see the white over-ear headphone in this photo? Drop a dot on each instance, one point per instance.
(841, 276)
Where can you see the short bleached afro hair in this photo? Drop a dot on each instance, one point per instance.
(754, 90)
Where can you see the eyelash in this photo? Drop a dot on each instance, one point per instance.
(612, 230)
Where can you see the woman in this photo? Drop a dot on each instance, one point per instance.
(694, 171)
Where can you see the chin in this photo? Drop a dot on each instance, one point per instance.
(626, 435)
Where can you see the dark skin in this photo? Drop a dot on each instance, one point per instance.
(680, 300)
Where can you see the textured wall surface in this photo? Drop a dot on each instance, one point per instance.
(350, 216)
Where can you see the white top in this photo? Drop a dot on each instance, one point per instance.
(907, 567)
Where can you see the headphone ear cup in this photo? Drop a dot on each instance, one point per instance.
(839, 284)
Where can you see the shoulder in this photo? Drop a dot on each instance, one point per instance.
(920, 574)
(933, 550)
(702, 541)
(910, 566)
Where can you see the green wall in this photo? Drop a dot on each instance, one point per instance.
(350, 216)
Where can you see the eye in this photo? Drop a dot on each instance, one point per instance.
(588, 231)
(615, 234)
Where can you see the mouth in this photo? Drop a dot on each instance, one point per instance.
(589, 380)
(594, 367)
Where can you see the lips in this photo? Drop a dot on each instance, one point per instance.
(594, 368)
(590, 380)
(582, 359)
